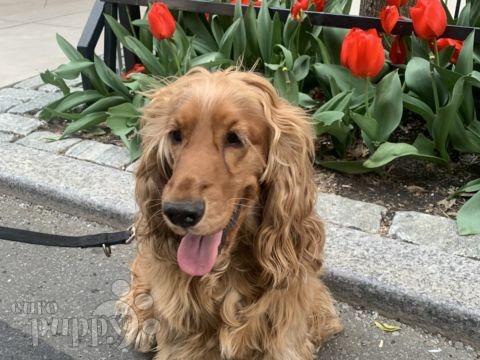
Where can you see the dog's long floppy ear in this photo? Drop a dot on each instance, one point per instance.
(154, 168)
(290, 238)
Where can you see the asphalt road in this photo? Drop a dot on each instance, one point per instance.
(58, 303)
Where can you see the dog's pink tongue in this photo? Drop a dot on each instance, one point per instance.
(196, 254)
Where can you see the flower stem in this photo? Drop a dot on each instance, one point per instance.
(435, 90)
(367, 109)
(437, 57)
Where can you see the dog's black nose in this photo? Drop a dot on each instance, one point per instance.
(184, 213)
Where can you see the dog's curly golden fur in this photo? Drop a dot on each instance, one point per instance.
(228, 141)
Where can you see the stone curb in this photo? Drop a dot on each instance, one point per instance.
(97, 192)
(417, 284)
(418, 274)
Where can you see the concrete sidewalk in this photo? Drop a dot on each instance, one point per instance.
(27, 34)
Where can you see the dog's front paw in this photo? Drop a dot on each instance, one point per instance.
(137, 321)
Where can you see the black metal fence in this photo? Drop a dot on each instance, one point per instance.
(123, 9)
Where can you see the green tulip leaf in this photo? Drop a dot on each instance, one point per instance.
(264, 32)
(141, 23)
(118, 29)
(211, 59)
(104, 104)
(73, 69)
(110, 78)
(464, 63)
(51, 78)
(250, 20)
(74, 55)
(287, 56)
(368, 124)
(387, 107)
(340, 102)
(286, 85)
(387, 152)
(305, 101)
(468, 216)
(85, 122)
(465, 139)
(146, 57)
(419, 107)
(301, 67)
(240, 37)
(122, 119)
(418, 79)
(346, 166)
(75, 99)
(443, 120)
(471, 186)
(226, 42)
(196, 25)
(343, 79)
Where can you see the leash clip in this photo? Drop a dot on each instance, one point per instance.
(132, 234)
(107, 250)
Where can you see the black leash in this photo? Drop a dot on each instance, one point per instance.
(104, 240)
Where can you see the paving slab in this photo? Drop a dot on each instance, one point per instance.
(46, 140)
(434, 231)
(415, 283)
(94, 191)
(19, 125)
(34, 105)
(7, 103)
(6, 137)
(99, 153)
(49, 88)
(18, 94)
(73, 84)
(132, 167)
(32, 83)
(350, 213)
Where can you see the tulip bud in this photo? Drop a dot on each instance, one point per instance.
(161, 21)
(389, 17)
(429, 19)
(362, 52)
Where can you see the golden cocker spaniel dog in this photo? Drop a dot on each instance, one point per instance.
(229, 245)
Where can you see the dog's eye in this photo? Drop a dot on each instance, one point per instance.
(176, 136)
(233, 139)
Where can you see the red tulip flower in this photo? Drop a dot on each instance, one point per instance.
(161, 21)
(298, 8)
(319, 4)
(429, 18)
(398, 51)
(137, 68)
(362, 52)
(396, 3)
(447, 42)
(389, 16)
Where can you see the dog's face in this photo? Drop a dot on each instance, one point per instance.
(217, 137)
(224, 160)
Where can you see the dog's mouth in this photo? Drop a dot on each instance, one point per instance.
(197, 254)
